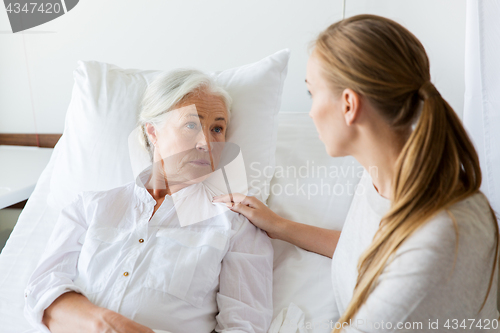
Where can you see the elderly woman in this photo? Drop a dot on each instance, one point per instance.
(122, 260)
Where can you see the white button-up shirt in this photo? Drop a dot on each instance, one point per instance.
(216, 273)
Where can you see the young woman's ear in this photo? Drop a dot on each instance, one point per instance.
(151, 132)
(350, 106)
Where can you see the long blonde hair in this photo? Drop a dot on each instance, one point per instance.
(438, 165)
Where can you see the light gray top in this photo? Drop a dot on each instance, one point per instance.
(413, 289)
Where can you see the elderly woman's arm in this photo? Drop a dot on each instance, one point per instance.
(53, 303)
(245, 297)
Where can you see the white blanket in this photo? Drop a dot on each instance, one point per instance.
(289, 320)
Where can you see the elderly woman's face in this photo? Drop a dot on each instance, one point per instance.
(191, 139)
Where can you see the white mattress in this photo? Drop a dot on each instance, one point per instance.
(22, 251)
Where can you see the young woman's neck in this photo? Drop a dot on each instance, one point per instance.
(378, 150)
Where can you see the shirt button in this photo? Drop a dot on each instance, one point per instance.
(125, 274)
(141, 240)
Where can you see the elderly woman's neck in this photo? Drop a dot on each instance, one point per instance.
(159, 195)
(158, 186)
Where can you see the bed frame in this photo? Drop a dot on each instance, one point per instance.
(28, 139)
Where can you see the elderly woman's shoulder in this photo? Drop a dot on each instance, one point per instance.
(123, 192)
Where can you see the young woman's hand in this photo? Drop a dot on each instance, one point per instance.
(255, 211)
(308, 237)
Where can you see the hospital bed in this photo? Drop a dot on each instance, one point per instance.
(308, 186)
(300, 277)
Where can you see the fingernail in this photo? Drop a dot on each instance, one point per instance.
(229, 204)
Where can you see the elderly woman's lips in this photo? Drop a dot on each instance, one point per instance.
(200, 162)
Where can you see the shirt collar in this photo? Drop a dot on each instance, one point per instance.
(378, 203)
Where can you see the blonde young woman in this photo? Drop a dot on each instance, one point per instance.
(419, 248)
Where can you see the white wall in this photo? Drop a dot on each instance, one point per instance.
(36, 66)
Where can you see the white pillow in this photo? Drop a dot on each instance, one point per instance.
(303, 168)
(105, 105)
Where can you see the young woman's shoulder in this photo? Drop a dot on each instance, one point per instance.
(435, 274)
(474, 211)
(473, 218)
(470, 218)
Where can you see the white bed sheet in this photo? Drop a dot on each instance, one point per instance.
(22, 252)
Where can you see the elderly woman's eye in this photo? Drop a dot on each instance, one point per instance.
(191, 125)
(218, 129)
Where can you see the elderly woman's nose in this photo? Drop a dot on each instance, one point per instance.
(201, 140)
(202, 147)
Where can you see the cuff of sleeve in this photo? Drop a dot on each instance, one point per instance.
(34, 306)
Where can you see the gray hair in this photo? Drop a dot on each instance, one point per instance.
(167, 91)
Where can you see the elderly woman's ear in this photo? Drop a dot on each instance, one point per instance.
(151, 131)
